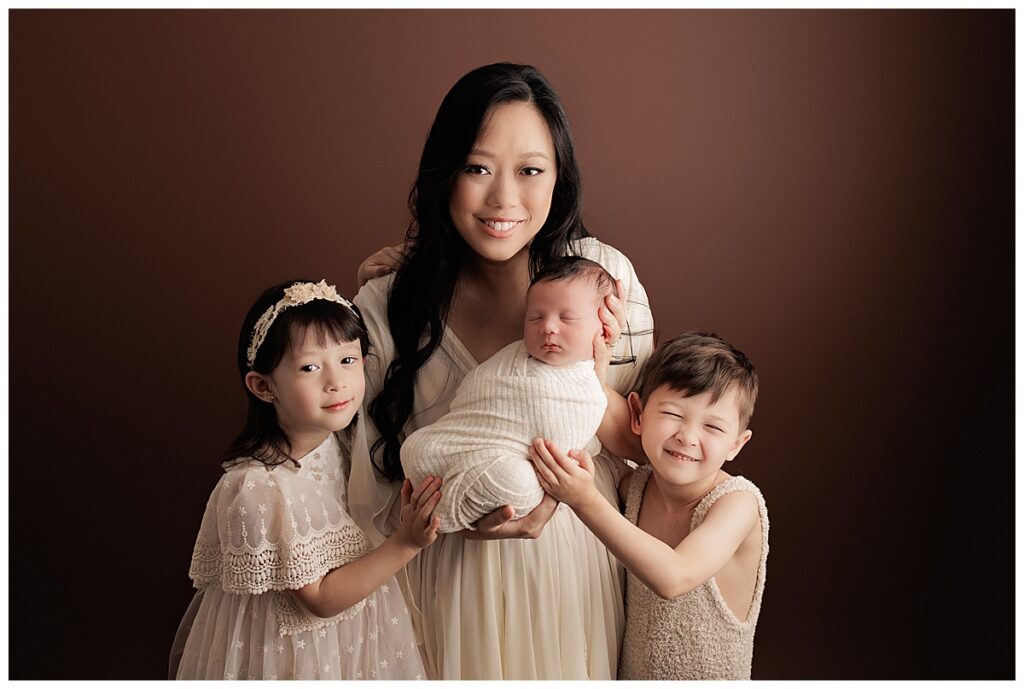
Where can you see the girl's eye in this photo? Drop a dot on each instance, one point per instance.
(477, 170)
(309, 368)
(349, 360)
(531, 171)
(668, 413)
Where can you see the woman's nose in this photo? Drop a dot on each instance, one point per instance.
(502, 192)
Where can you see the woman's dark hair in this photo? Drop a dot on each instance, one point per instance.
(421, 294)
(262, 438)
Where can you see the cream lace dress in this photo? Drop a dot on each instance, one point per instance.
(267, 531)
(549, 608)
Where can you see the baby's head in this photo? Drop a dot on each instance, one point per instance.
(693, 412)
(562, 307)
(300, 357)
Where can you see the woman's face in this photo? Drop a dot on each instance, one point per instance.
(502, 197)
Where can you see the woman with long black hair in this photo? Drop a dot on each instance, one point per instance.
(497, 196)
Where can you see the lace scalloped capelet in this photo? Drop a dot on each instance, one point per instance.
(268, 530)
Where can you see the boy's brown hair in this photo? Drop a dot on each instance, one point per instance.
(698, 361)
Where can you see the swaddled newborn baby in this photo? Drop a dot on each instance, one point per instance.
(541, 386)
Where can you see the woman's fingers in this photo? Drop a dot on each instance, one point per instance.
(406, 492)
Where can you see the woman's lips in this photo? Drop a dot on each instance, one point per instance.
(499, 227)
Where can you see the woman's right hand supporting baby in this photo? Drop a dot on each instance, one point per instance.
(500, 524)
(342, 588)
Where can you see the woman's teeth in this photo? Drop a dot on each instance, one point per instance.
(501, 226)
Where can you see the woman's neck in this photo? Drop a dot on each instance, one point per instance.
(498, 278)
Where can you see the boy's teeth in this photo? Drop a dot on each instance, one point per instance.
(500, 226)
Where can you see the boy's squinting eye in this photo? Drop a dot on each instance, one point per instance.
(713, 427)
(668, 413)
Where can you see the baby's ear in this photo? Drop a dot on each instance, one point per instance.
(636, 407)
(738, 445)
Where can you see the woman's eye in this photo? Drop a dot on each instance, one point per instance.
(309, 368)
(531, 171)
(477, 170)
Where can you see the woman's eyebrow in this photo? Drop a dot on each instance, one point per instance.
(484, 153)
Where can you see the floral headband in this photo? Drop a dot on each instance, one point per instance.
(298, 294)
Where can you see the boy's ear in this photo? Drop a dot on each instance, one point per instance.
(636, 407)
(738, 445)
(259, 385)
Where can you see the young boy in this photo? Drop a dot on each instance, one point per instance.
(694, 539)
(544, 384)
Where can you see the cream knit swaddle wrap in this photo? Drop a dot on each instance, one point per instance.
(481, 447)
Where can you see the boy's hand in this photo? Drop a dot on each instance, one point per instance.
(385, 261)
(419, 526)
(567, 477)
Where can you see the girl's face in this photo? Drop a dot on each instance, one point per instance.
(318, 388)
(502, 197)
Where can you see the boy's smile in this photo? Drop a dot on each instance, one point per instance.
(688, 439)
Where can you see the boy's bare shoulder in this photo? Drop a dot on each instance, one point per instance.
(735, 505)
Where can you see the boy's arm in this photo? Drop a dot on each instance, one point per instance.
(667, 571)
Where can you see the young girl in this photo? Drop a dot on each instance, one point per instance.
(289, 587)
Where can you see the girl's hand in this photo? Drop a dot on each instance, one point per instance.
(500, 524)
(385, 261)
(567, 477)
(419, 526)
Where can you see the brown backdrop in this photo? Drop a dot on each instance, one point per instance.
(832, 191)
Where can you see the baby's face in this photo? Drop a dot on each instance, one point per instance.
(562, 320)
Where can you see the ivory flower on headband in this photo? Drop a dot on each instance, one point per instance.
(296, 295)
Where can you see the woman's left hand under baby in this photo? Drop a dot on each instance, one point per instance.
(568, 477)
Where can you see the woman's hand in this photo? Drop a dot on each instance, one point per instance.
(419, 526)
(385, 261)
(613, 316)
(500, 524)
(567, 477)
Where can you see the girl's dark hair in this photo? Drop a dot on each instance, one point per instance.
(262, 438)
(421, 294)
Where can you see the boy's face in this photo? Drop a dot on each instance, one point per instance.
(562, 321)
(688, 439)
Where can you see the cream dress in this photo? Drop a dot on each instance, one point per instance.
(549, 608)
(267, 531)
